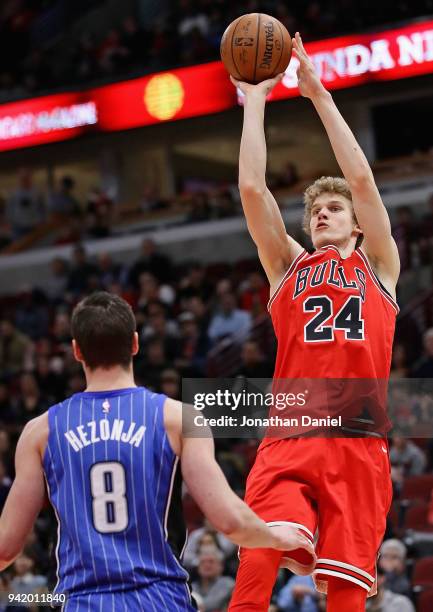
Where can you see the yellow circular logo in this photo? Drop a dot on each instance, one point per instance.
(163, 96)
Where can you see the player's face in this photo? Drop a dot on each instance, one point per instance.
(332, 220)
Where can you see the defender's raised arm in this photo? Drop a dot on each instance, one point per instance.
(265, 224)
(368, 206)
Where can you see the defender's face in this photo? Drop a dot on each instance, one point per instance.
(332, 220)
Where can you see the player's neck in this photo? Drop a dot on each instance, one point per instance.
(345, 248)
(109, 379)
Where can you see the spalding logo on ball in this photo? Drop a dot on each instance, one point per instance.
(256, 47)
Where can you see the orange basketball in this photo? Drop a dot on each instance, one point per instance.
(255, 47)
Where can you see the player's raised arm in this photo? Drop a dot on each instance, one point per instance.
(368, 206)
(210, 489)
(26, 496)
(276, 249)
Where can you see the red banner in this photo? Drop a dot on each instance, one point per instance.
(178, 94)
(354, 60)
(201, 90)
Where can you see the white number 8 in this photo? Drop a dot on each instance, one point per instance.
(108, 487)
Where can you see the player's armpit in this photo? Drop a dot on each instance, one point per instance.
(25, 498)
(276, 249)
(373, 219)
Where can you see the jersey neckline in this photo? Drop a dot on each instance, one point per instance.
(110, 393)
(332, 246)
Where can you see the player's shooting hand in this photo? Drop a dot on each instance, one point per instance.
(262, 89)
(308, 82)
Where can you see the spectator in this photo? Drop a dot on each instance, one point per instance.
(161, 328)
(31, 314)
(289, 176)
(229, 320)
(399, 363)
(406, 457)
(31, 403)
(132, 39)
(16, 349)
(55, 286)
(98, 223)
(253, 362)
(149, 368)
(405, 234)
(62, 201)
(7, 405)
(424, 368)
(148, 288)
(157, 264)
(113, 55)
(52, 383)
(199, 208)
(299, 595)
(109, 271)
(26, 582)
(387, 601)
(212, 586)
(24, 208)
(61, 333)
(194, 346)
(80, 272)
(194, 284)
(392, 561)
(255, 295)
(169, 384)
(208, 536)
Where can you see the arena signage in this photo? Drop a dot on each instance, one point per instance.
(205, 89)
(354, 60)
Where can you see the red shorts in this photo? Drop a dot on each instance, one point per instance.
(338, 488)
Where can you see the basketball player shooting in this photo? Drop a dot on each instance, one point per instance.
(110, 459)
(334, 316)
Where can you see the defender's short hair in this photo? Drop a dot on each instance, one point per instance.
(103, 326)
(324, 184)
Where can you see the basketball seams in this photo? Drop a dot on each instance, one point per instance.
(257, 46)
(231, 48)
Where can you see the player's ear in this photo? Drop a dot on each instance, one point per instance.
(76, 351)
(135, 344)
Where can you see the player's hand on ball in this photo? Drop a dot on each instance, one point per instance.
(308, 82)
(264, 88)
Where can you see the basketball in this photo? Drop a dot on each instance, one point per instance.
(255, 47)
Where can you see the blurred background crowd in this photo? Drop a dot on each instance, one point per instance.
(33, 56)
(203, 312)
(193, 321)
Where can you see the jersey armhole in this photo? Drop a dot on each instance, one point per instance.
(286, 276)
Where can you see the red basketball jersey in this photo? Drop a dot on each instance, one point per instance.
(334, 321)
(332, 318)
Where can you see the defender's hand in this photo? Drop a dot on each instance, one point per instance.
(291, 539)
(308, 82)
(261, 89)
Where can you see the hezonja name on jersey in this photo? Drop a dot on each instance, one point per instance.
(104, 430)
(332, 274)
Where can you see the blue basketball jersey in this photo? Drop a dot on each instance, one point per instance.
(114, 482)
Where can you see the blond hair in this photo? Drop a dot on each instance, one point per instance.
(324, 184)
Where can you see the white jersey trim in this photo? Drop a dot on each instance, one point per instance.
(298, 525)
(352, 568)
(337, 575)
(375, 280)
